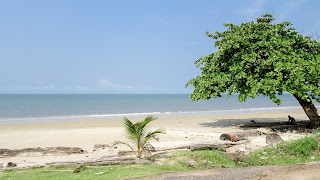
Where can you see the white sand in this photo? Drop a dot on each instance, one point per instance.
(85, 134)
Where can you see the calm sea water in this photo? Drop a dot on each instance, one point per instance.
(17, 108)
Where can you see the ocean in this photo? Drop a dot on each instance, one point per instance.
(25, 108)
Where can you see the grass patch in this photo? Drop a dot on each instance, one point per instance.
(177, 161)
(201, 159)
(91, 172)
(299, 151)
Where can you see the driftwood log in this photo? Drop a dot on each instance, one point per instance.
(192, 146)
(105, 161)
(209, 146)
(237, 136)
(38, 151)
(59, 170)
(285, 128)
(205, 147)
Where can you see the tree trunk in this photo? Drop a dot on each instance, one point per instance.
(311, 111)
(139, 151)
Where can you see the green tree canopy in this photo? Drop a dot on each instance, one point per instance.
(259, 57)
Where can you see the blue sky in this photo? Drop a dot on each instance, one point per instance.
(77, 46)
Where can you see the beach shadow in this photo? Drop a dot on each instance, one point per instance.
(234, 122)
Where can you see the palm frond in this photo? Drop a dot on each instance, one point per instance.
(131, 130)
(142, 124)
(153, 134)
(138, 134)
(124, 143)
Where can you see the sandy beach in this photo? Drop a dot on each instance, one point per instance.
(86, 134)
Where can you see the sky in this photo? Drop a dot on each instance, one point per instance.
(117, 47)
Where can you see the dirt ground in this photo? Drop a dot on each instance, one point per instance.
(307, 171)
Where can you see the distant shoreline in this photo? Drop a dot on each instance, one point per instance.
(138, 115)
(32, 108)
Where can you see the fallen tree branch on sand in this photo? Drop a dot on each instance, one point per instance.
(41, 151)
(195, 145)
(59, 170)
(206, 147)
(102, 161)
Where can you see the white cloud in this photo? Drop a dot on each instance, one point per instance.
(108, 84)
(48, 87)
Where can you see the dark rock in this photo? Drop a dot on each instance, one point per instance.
(11, 164)
(76, 170)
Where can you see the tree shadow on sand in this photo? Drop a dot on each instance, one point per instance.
(234, 122)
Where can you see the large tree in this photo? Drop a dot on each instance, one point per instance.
(260, 57)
